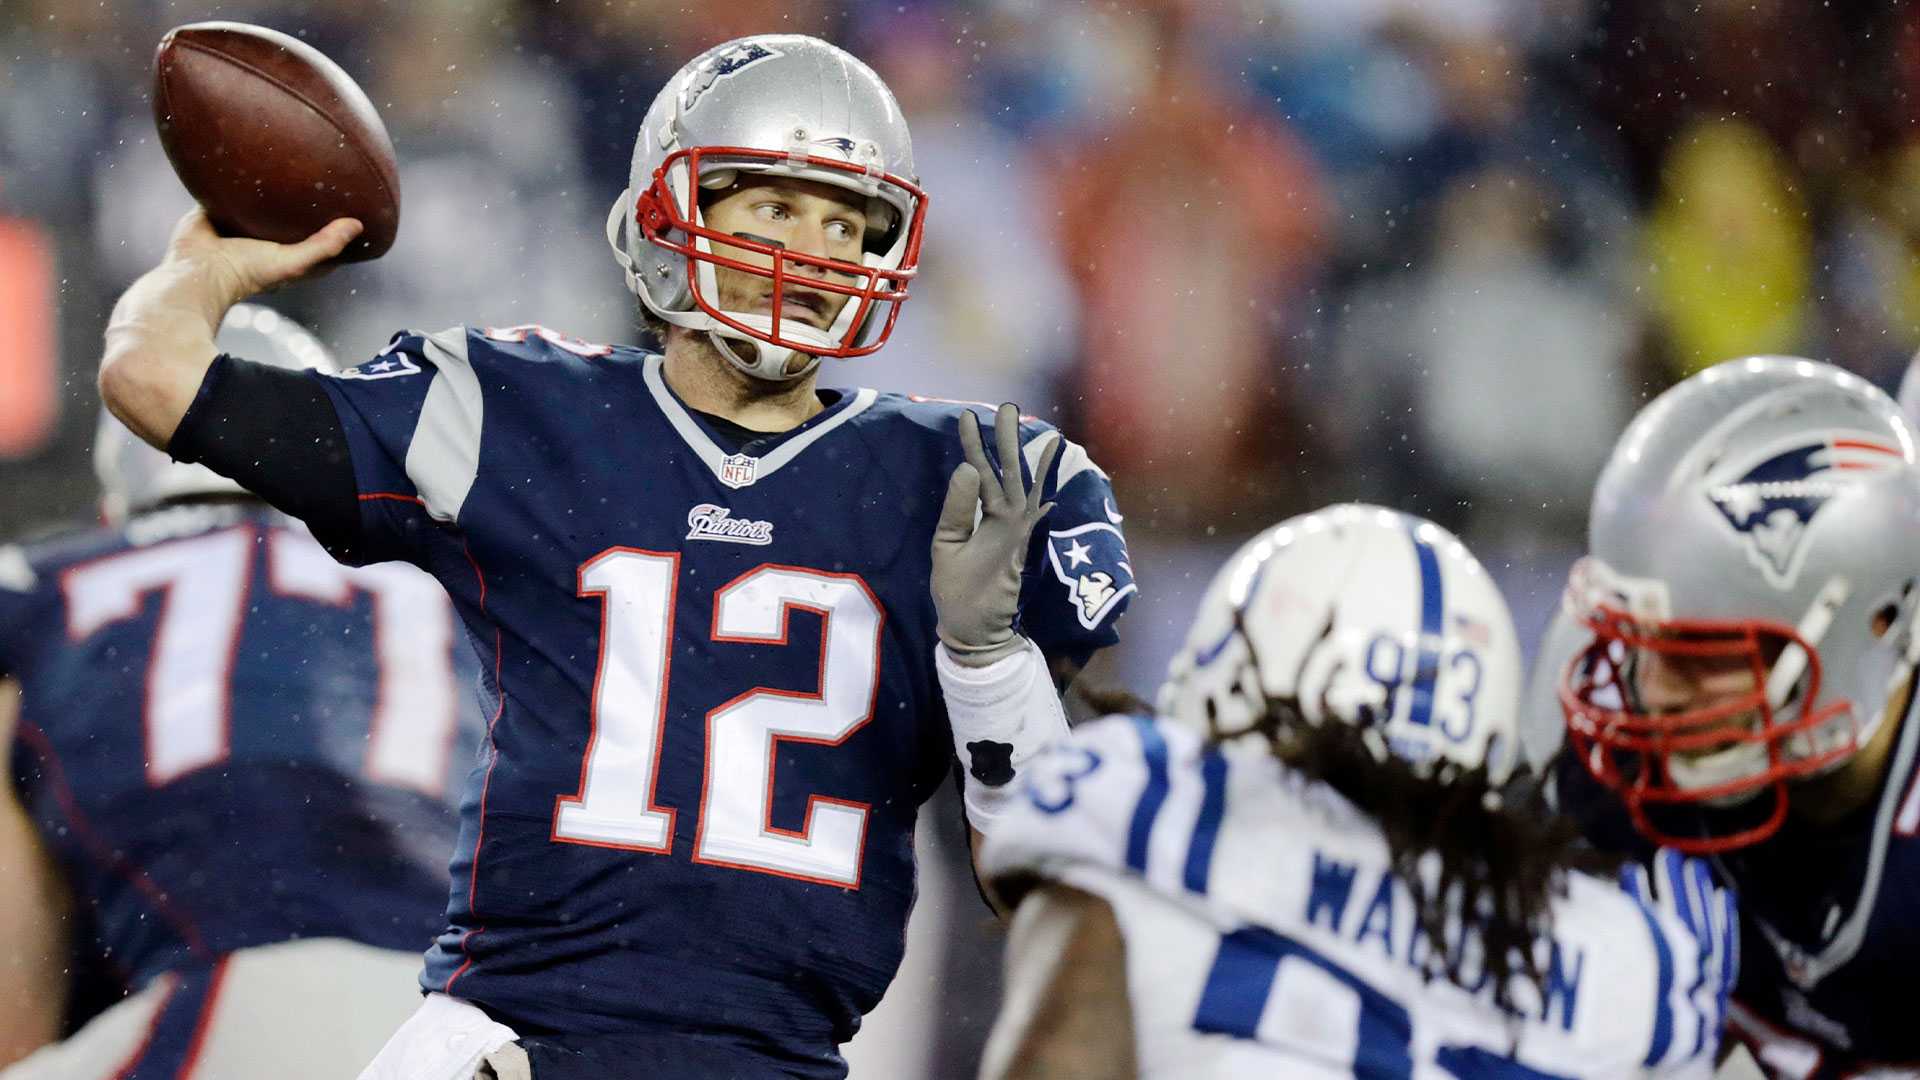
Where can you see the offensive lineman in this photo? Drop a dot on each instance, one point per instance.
(1268, 878)
(1743, 687)
(238, 760)
(699, 581)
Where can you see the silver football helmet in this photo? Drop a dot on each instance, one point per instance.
(781, 105)
(1759, 518)
(136, 477)
(1357, 615)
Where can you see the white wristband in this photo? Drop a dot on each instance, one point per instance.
(1001, 716)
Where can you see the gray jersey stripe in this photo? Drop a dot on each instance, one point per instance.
(690, 432)
(787, 451)
(1073, 458)
(712, 455)
(444, 457)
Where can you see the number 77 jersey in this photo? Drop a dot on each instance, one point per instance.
(711, 673)
(227, 740)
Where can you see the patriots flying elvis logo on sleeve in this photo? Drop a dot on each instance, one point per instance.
(1771, 499)
(390, 364)
(1091, 561)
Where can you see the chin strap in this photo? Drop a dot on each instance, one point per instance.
(1749, 759)
(617, 217)
(1792, 665)
(769, 361)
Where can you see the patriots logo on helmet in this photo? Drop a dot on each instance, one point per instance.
(1770, 502)
(722, 64)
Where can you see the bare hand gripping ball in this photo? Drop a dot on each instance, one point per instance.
(273, 138)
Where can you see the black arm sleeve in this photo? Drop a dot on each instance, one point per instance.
(275, 433)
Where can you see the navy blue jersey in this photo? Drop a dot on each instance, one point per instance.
(1830, 919)
(227, 739)
(711, 675)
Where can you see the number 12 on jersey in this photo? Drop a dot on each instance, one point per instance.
(615, 805)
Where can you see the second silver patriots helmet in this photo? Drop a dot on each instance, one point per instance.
(776, 105)
(135, 477)
(1760, 516)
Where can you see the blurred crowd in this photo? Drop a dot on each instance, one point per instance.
(1256, 254)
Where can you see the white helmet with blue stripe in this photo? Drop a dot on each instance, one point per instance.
(1364, 616)
(136, 477)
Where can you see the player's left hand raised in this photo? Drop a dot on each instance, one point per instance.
(976, 567)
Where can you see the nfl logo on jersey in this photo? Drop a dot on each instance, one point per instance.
(739, 470)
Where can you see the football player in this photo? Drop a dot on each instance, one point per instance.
(1743, 688)
(234, 763)
(1318, 860)
(700, 582)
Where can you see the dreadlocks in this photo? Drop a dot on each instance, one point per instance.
(1502, 851)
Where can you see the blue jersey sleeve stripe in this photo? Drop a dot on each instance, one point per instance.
(1237, 986)
(1729, 951)
(1432, 604)
(1154, 747)
(1694, 913)
(1206, 828)
(1662, 1005)
(1486, 1065)
(1244, 970)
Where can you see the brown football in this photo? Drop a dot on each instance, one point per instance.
(273, 138)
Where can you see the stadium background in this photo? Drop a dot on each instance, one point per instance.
(1256, 254)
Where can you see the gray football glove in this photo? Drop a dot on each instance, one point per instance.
(976, 567)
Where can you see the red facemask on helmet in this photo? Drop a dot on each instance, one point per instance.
(1660, 758)
(663, 213)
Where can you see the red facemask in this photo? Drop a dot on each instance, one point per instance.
(659, 213)
(1630, 749)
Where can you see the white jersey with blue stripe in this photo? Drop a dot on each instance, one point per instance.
(1265, 934)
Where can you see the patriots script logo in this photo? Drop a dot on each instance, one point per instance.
(710, 522)
(1771, 500)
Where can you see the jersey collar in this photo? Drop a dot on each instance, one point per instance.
(740, 470)
(1805, 968)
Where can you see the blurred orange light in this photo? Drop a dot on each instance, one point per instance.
(29, 401)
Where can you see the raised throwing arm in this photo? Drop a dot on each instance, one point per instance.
(159, 340)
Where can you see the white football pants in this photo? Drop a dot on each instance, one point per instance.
(299, 1010)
